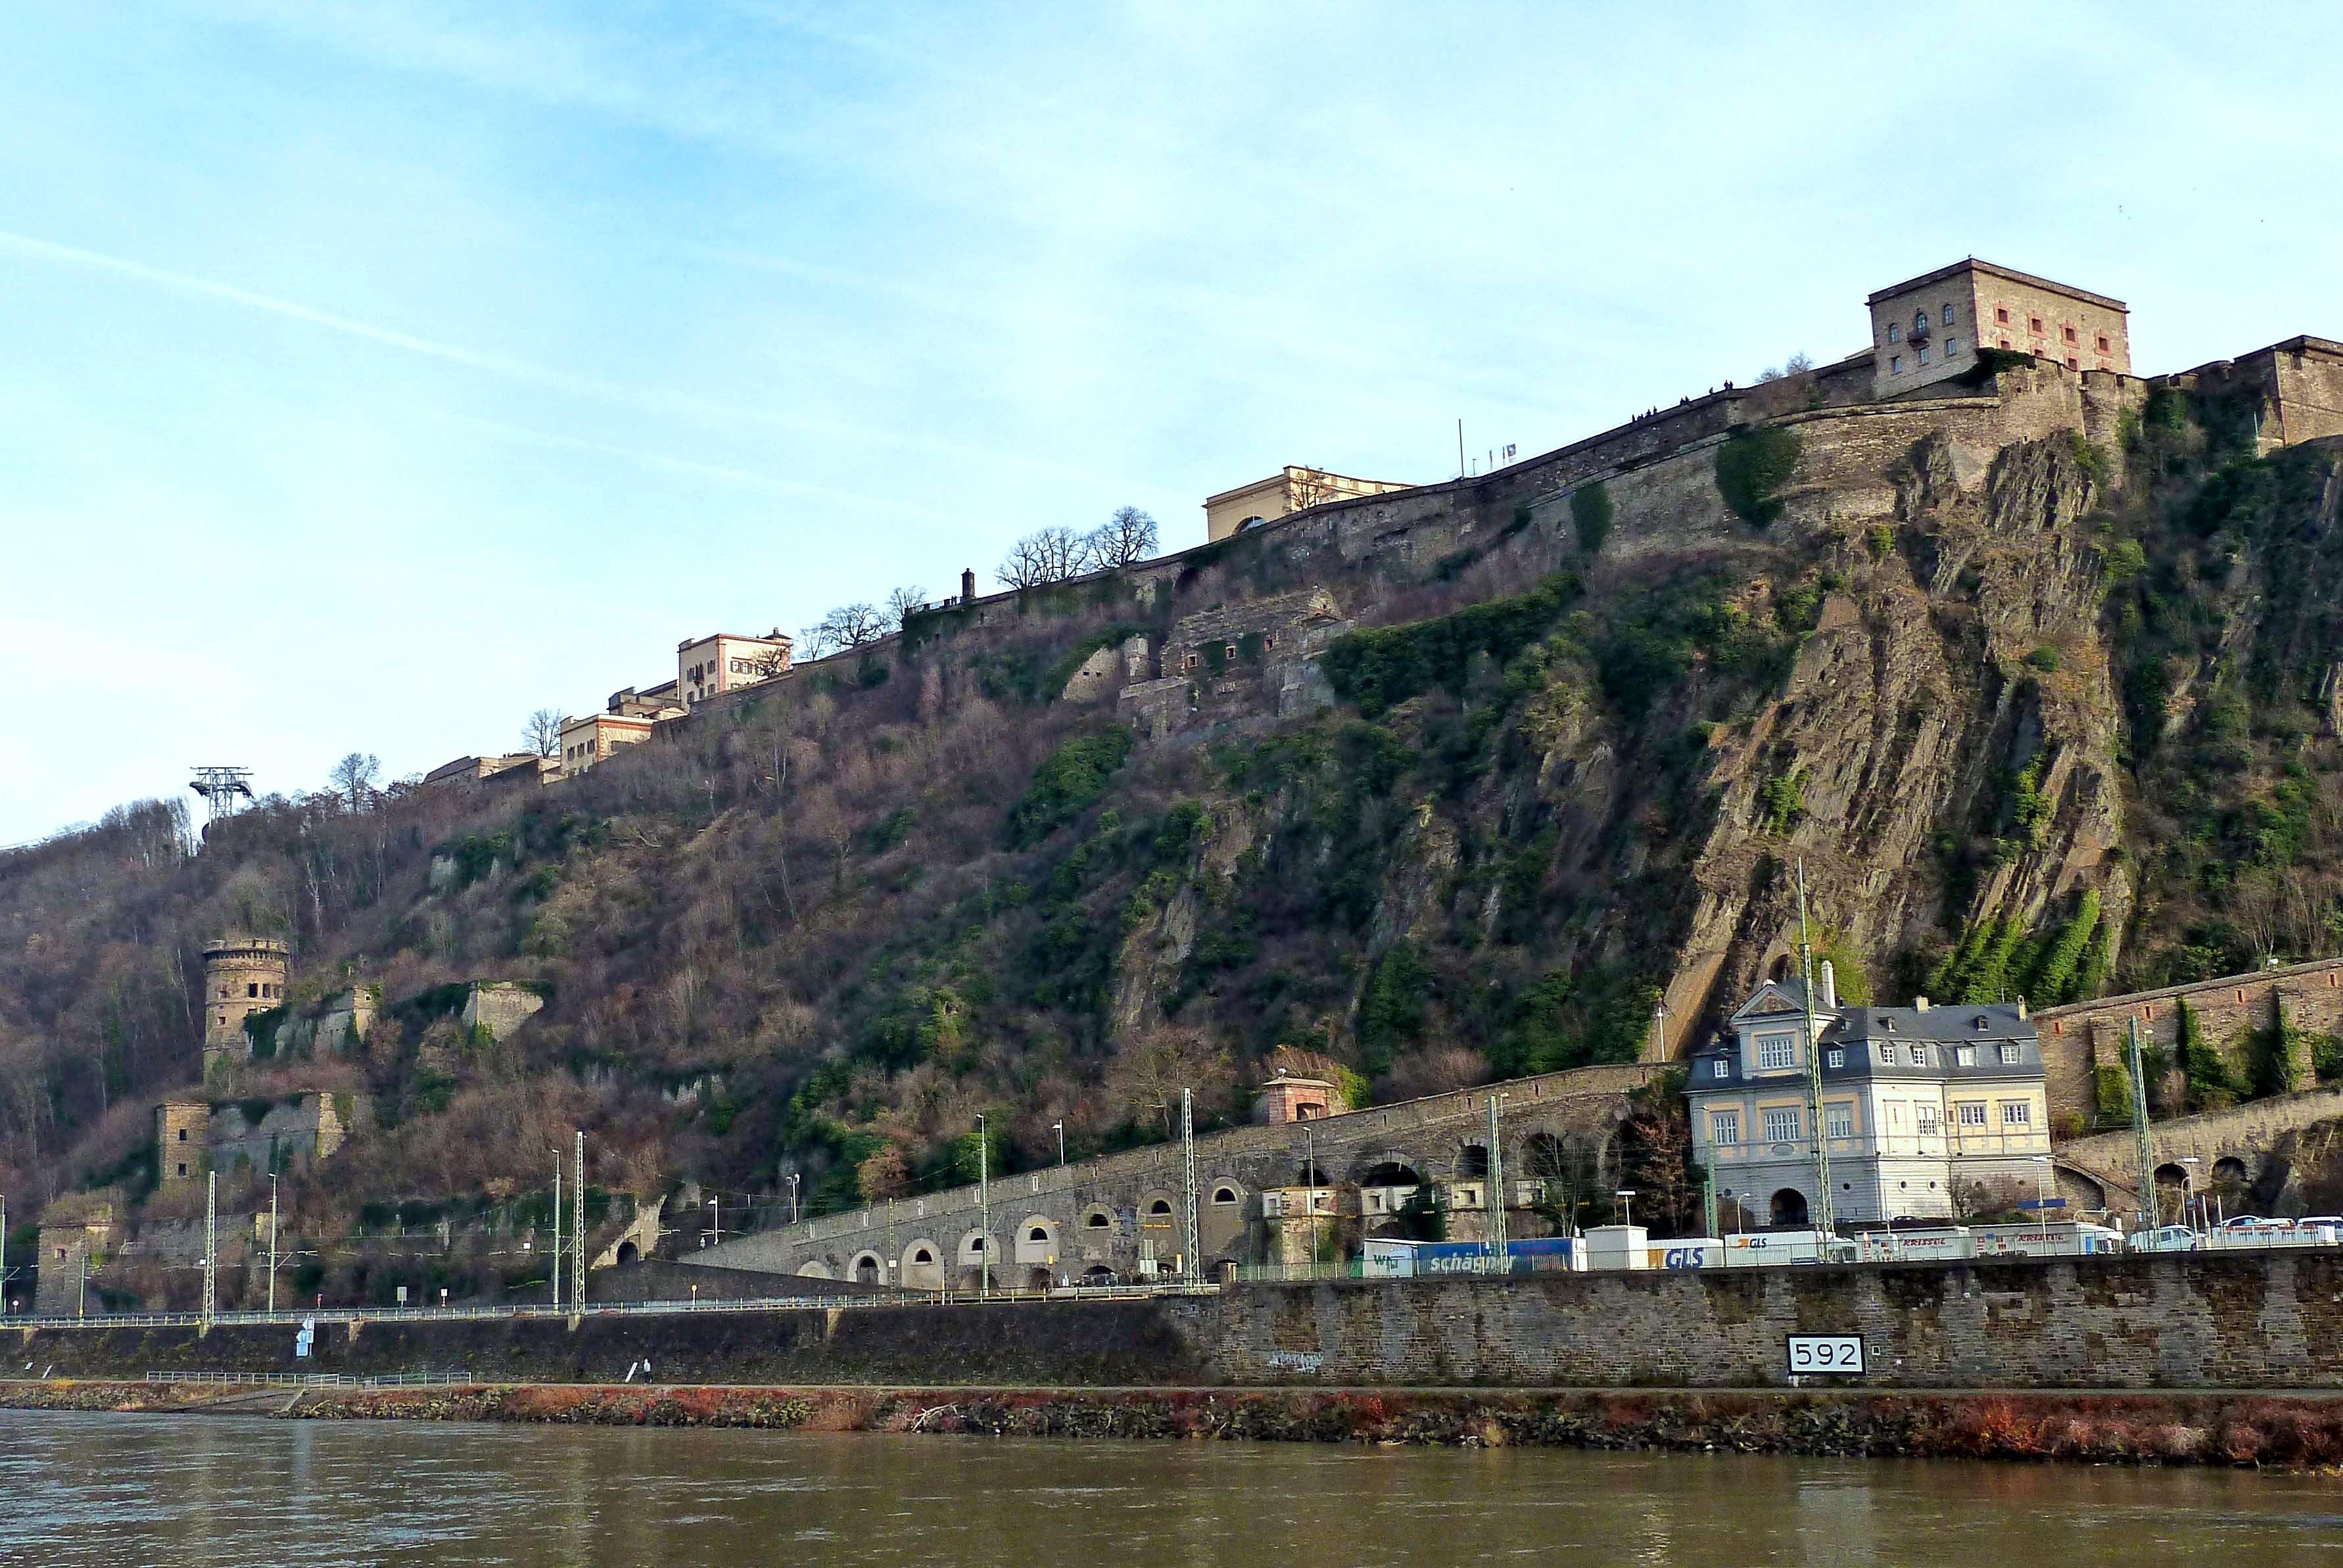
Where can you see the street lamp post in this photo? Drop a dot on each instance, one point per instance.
(272, 1241)
(793, 1197)
(2189, 1191)
(716, 1209)
(1061, 1145)
(1627, 1198)
(2041, 1188)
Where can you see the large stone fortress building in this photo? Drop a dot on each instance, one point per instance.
(1929, 329)
(242, 975)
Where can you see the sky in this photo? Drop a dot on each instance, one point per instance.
(373, 375)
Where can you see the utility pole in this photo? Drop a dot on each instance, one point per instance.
(272, 1241)
(1499, 1242)
(578, 1229)
(557, 1232)
(2144, 1149)
(211, 1243)
(1310, 1193)
(983, 1209)
(1190, 1266)
(1825, 1221)
(4, 1252)
(890, 1268)
(1062, 1145)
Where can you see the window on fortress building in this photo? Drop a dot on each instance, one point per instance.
(1948, 315)
(2070, 334)
(1952, 346)
(2072, 363)
(2001, 315)
(2102, 343)
(2005, 343)
(1896, 364)
(1924, 356)
(1894, 332)
(183, 1135)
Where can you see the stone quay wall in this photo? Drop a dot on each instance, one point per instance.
(2225, 1321)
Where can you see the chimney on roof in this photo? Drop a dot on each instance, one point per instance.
(2021, 1006)
(1829, 988)
(1919, 1004)
(966, 584)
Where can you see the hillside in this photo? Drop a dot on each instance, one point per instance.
(2038, 681)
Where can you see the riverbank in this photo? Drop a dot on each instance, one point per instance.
(2227, 1430)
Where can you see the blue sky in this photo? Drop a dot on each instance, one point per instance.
(371, 375)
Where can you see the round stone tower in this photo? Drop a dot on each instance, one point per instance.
(242, 975)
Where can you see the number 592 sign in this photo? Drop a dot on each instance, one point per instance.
(1839, 1355)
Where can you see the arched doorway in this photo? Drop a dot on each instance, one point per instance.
(2229, 1170)
(866, 1269)
(1471, 1161)
(1788, 1207)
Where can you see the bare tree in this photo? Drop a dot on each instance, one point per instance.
(817, 640)
(1128, 536)
(353, 779)
(903, 601)
(1150, 1072)
(852, 625)
(1045, 556)
(542, 733)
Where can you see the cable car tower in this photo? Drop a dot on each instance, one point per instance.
(222, 787)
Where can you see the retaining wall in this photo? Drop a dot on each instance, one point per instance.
(2227, 1321)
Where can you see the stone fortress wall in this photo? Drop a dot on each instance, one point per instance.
(1096, 1215)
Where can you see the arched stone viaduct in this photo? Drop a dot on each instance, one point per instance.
(1094, 1221)
(2235, 1148)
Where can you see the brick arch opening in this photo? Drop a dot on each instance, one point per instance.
(1787, 1207)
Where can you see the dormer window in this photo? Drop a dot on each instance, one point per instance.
(1977, 1022)
(1838, 1057)
(1720, 1069)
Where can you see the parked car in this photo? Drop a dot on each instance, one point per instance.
(2315, 1221)
(2256, 1222)
(2167, 1239)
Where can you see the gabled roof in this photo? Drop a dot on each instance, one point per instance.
(1774, 999)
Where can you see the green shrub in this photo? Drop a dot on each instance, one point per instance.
(1782, 802)
(1067, 782)
(1752, 466)
(1880, 541)
(1590, 511)
(2111, 1093)
(1388, 665)
(2043, 658)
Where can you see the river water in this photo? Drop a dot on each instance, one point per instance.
(116, 1489)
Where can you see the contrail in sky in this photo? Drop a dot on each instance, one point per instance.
(701, 408)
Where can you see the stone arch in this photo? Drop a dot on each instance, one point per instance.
(1787, 1207)
(868, 1269)
(1039, 1279)
(1097, 1222)
(1471, 1161)
(1391, 1169)
(923, 1265)
(1156, 1207)
(2229, 1170)
(813, 1268)
(2172, 1173)
(1037, 1240)
(1098, 1274)
(1224, 1192)
(974, 1247)
(629, 1252)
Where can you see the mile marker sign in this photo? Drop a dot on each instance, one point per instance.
(1838, 1355)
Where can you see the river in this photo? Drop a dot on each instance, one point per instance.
(113, 1490)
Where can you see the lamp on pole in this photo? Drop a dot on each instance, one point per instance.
(272, 1241)
(1627, 1198)
(2188, 1191)
(1061, 1145)
(716, 1212)
(793, 1197)
(2041, 1185)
